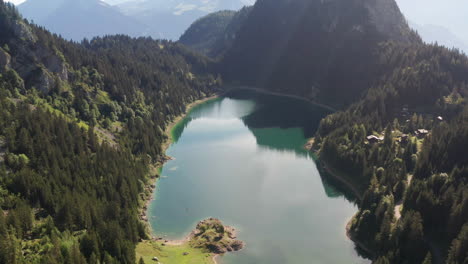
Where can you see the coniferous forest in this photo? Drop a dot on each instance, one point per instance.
(81, 125)
(416, 199)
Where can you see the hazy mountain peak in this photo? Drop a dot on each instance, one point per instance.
(387, 18)
(441, 35)
(78, 19)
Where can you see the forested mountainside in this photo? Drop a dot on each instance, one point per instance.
(403, 137)
(204, 33)
(214, 34)
(80, 126)
(81, 123)
(313, 48)
(407, 140)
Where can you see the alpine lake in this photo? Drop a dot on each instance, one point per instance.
(241, 158)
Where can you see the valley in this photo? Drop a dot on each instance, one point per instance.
(87, 128)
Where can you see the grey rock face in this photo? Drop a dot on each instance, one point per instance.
(38, 66)
(55, 65)
(5, 60)
(22, 31)
(45, 82)
(387, 18)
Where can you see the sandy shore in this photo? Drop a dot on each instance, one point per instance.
(215, 259)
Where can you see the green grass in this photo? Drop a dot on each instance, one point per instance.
(47, 107)
(171, 254)
(102, 97)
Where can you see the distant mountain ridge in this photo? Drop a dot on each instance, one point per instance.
(169, 19)
(440, 35)
(79, 19)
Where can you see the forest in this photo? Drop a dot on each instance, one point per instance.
(406, 140)
(81, 123)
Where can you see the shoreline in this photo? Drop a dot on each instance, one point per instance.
(358, 243)
(157, 166)
(230, 88)
(336, 175)
(355, 190)
(155, 171)
(230, 231)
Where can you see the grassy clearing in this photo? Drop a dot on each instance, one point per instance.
(171, 254)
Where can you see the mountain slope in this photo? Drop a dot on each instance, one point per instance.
(203, 34)
(313, 48)
(414, 207)
(408, 96)
(214, 34)
(80, 19)
(82, 128)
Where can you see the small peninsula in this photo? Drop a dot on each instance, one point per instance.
(209, 239)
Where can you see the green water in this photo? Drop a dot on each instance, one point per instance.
(241, 160)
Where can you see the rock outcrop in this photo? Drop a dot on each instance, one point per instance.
(214, 237)
(23, 31)
(56, 65)
(40, 67)
(388, 19)
(45, 81)
(5, 60)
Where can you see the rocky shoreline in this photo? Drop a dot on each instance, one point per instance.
(214, 237)
(211, 236)
(206, 243)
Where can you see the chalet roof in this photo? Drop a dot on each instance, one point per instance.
(373, 137)
(422, 131)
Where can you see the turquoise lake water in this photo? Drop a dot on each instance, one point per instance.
(241, 159)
